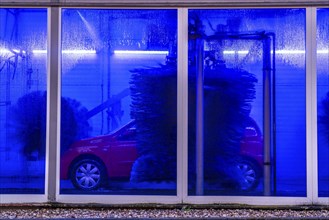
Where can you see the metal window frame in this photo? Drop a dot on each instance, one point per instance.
(54, 104)
(311, 105)
(140, 199)
(166, 3)
(311, 135)
(34, 198)
(53, 120)
(314, 115)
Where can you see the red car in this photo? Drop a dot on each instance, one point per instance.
(90, 162)
(251, 153)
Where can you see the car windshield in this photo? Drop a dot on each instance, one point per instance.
(130, 124)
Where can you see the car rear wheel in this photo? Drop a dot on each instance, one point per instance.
(87, 174)
(250, 174)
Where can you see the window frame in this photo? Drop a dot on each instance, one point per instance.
(53, 104)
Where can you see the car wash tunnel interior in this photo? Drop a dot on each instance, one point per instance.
(119, 107)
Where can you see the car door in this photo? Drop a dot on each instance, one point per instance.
(123, 152)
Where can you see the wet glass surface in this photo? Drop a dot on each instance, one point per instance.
(23, 87)
(247, 131)
(118, 118)
(323, 100)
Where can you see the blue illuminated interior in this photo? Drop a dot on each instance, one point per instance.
(322, 93)
(235, 48)
(119, 97)
(22, 105)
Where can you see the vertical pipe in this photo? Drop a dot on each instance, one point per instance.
(108, 115)
(7, 106)
(108, 75)
(273, 119)
(105, 64)
(267, 114)
(53, 104)
(199, 117)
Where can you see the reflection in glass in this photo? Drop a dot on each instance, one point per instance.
(247, 102)
(323, 100)
(118, 117)
(22, 100)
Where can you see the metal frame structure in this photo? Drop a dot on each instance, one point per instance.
(53, 105)
(166, 3)
(268, 42)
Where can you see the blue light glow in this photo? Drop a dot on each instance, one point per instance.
(156, 52)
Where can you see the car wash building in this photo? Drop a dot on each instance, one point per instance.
(170, 102)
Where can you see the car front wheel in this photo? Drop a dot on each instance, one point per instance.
(250, 175)
(87, 174)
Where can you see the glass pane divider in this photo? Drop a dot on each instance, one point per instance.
(311, 105)
(182, 103)
(53, 72)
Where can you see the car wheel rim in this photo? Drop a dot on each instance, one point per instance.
(248, 176)
(88, 175)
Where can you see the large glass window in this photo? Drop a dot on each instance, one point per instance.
(323, 100)
(118, 105)
(23, 35)
(247, 102)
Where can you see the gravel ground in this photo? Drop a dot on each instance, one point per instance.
(162, 213)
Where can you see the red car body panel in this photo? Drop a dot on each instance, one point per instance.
(118, 152)
(251, 145)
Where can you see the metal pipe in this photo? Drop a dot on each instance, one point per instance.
(199, 117)
(267, 114)
(274, 176)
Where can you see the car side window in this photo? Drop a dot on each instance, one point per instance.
(128, 135)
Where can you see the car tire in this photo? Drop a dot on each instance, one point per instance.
(88, 174)
(250, 174)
